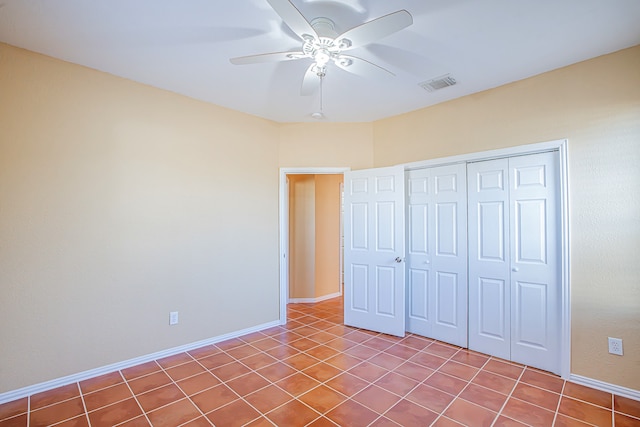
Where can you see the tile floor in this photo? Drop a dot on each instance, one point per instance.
(315, 371)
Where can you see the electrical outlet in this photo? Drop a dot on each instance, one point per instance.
(173, 318)
(615, 346)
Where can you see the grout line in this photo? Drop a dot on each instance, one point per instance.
(135, 398)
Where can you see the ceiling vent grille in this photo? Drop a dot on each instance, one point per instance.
(438, 83)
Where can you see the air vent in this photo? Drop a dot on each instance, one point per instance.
(438, 83)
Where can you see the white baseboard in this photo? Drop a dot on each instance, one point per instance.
(313, 300)
(609, 388)
(81, 376)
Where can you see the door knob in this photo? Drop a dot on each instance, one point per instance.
(515, 269)
(398, 259)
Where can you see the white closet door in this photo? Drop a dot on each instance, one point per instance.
(374, 250)
(535, 272)
(514, 274)
(437, 253)
(489, 258)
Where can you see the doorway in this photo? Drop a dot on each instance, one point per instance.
(307, 274)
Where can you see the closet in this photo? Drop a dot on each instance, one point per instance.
(466, 253)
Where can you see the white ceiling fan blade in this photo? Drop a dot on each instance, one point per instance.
(266, 57)
(362, 67)
(310, 82)
(293, 18)
(374, 30)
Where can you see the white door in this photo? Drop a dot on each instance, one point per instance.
(437, 253)
(514, 269)
(374, 250)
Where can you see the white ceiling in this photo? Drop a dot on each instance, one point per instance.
(184, 46)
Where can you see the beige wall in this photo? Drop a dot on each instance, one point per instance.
(302, 236)
(327, 234)
(596, 106)
(117, 207)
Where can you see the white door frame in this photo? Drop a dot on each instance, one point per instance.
(284, 228)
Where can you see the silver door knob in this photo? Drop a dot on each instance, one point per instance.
(398, 259)
(515, 269)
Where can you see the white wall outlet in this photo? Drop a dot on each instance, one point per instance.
(615, 346)
(173, 318)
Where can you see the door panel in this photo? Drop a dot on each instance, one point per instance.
(374, 240)
(436, 259)
(489, 268)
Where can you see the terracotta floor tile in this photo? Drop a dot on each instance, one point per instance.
(396, 383)
(216, 360)
(590, 395)
(400, 350)
(258, 361)
(430, 361)
(376, 398)
(358, 336)
(198, 422)
(470, 358)
(80, 421)
(505, 369)
(384, 422)
(564, 421)
(322, 337)
(56, 395)
(301, 361)
(484, 397)
(242, 351)
(268, 398)
(343, 361)
(247, 384)
(198, 383)
(408, 414)
(351, 413)
(361, 351)
(260, 422)
(140, 421)
(527, 413)
(150, 382)
(443, 421)
(229, 344)
(297, 384)
(627, 406)
(253, 337)
(623, 420)
(115, 414)
(416, 342)
(347, 384)
(16, 407)
(368, 371)
(17, 421)
(237, 413)
(431, 398)
(174, 414)
(56, 412)
(494, 382)
(322, 371)
(322, 352)
(323, 422)
(214, 398)
(585, 412)
(265, 344)
(322, 399)
(536, 396)
(292, 414)
(445, 383)
(341, 344)
(276, 371)
(185, 370)
(414, 371)
(174, 360)
(107, 396)
(100, 382)
(230, 371)
(303, 344)
(159, 397)
(459, 370)
(545, 381)
(282, 352)
(206, 351)
(378, 343)
(140, 370)
(503, 421)
(468, 413)
(441, 350)
(387, 361)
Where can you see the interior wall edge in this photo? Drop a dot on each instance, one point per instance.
(605, 386)
(91, 373)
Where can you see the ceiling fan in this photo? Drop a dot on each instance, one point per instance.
(323, 45)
